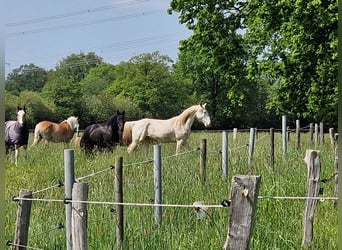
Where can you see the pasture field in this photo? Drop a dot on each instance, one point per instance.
(278, 223)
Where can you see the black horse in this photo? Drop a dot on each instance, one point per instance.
(103, 137)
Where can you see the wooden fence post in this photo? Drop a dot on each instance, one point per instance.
(23, 220)
(234, 134)
(336, 177)
(316, 134)
(311, 134)
(244, 196)
(203, 159)
(332, 136)
(69, 179)
(298, 135)
(158, 187)
(321, 133)
(225, 154)
(251, 148)
(79, 216)
(314, 167)
(118, 183)
(272, 147)
(284, 133)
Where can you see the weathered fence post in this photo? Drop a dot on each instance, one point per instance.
(79, 216)
(298, 135)
(272, 147)
(284, 133)
(244, 196)
(321, 133)
(225, 154)
(251, 147)
(316, 134)
(314, 167)
(203, 159)
(69, 179)
(336, 177)
(23, 220)
(119, 209)
(332, 136)
(311, 134)
(234, 134)
(158, 184)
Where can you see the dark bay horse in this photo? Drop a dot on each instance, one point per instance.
(17, 134)
(103, 137)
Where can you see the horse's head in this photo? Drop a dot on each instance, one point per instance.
(73, 122)
(120, 121)
(21, 115)
(202, 115)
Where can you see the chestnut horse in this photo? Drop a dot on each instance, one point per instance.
(176, 129)
(17, 134)
(55, 132)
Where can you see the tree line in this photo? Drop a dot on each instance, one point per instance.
(251, 61)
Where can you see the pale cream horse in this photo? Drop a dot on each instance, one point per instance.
(176, 129)
(55, 132)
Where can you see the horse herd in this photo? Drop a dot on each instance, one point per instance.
(105, 136)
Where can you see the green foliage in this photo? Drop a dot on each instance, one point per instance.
(27, 77)
(76, 66)
(237, 47)
(65, 96)
(147, 81)
(294, 42)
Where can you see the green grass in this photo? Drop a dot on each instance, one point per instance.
(278, 223)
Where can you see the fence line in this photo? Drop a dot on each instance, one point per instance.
(196, 207)
(169, 205)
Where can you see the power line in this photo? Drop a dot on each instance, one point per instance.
(76, 13)
(68, 26)
(143, 42)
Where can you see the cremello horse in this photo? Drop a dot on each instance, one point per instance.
(55, 132)
(176, 129)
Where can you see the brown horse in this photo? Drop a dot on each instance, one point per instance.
(55, 132)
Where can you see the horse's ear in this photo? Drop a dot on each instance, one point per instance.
(204, 104)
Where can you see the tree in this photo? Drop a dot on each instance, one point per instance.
(295, 44)
(27, 77)
(239, 47)
(215, 57)
(147, 80)
(77, 66)
(66, 96)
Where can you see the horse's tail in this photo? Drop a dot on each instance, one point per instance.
(78, 140)
(83, 140)
(37, 135)
(127, 133)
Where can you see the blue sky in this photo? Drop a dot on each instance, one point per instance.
(44, 32)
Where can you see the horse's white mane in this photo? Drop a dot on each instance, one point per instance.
(184, 116)
(72, 121)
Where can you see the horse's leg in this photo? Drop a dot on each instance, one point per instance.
(179, 143)
(37, 138)
(25, 152)
(132, 146)
(16, 155)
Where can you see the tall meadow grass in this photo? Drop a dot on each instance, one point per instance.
(278, 223)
